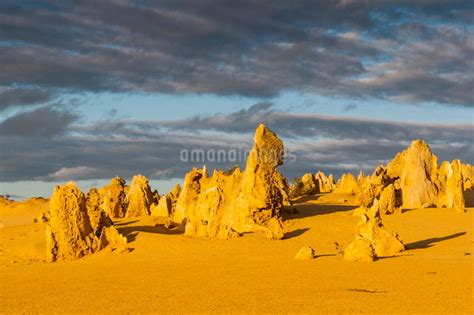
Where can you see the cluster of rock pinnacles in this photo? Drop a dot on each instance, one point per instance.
(231, 203)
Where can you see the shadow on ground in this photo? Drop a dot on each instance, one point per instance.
(309, 210)
(431, 241)
(295, 233)
(131, 232)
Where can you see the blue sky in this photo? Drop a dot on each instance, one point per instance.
(92, 90)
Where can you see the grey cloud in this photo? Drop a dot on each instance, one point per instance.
(10, 97)
(321, 126)
(256, 49)
(41, 122)
(126, 147)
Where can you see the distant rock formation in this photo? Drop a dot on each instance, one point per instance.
(230, 203)
(140, 198)
(416, 167)
(348, 185)
(451, 186)
(326, 183)
(310, 184)
(70, 233)
(411, 180)
(189, 194)
(97, 216)
(467, 171)
(113, 198)
(372, 239)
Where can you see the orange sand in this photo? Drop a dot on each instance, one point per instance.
(168, 272)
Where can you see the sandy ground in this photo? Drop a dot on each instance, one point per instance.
(168, 272)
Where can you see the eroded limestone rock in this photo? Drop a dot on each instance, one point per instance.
(230, 203)
(97, 216)
(416, 167)
(113, 198)
(348, 185)
(140, 197)
(69, 233)
(371, 234)
(306, 253)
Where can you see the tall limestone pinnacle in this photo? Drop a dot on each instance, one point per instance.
(230, 203)
(416, 167)
(74, 227)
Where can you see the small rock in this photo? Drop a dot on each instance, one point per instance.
(306, 253)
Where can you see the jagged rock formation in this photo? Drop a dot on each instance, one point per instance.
(390, 201)
(326, 183)
(189, 194)
(97, 216)
(163, 208)
(467, 171)
(348, 185)
(372, 239)
(140, 197)
(310, 184)
(69, 232)
(306, 253)
(451, 186)
(416, 167)
(230, 203)
(113, 198)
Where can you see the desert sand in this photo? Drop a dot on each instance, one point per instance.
(172, 273)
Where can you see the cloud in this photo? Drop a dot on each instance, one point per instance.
(321, 126)
(10, 97)
(41, 122)
(401, 50)
(126, 147)
(78, 172)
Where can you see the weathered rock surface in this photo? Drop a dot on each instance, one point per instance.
(390, 201)
(230, 203)
(371, 234)
(451, 186)
(189, 194)
(416, 167)
(306, 253)
(348, 185)
(163, 208)
(467, 171)
(140, 197)
(97, 216)
(113, 198)
(70, 233)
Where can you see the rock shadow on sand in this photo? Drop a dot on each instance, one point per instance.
(132, 231)
(431, 241)
(310, 210)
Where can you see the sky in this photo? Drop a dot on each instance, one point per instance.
(90, 90)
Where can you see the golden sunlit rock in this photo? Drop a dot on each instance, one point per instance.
(139, 198)
(70, 232)
(230, 203)
(372, 236)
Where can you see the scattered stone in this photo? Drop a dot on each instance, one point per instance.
(306, 253)
(372, 235)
